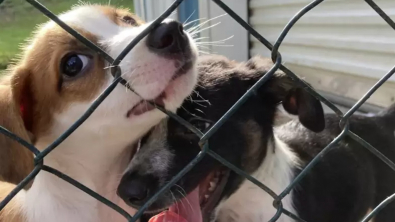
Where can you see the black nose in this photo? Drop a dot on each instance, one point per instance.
(133, 189)
(168, 38)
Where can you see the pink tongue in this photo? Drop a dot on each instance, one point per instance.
(141, 108)
(189, 207)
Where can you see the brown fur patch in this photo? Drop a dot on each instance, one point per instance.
(12, 212)
(38, 78)
(36, 85)
(121, 16)
(34, 90)
(16, 161)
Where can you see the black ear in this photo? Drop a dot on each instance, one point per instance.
(309, 109)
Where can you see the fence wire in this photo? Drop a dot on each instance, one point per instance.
(204, 138)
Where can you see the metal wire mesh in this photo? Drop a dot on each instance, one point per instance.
(204, 142)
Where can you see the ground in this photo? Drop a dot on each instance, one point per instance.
(18, 19)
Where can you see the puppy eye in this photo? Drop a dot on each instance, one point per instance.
(74, 64)
(129, 20)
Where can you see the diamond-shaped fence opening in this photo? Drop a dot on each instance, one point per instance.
(277, 60)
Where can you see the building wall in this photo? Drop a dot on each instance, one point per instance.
(341, 46)
(237, 47)
(149, 10)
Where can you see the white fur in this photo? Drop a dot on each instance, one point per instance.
(250, 203)
(282, 116)
(96, 153)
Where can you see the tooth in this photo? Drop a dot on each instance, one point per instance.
(206, 196)
(211, 189)
(213, 184)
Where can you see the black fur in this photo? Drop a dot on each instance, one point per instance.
(349, 179)
(341, 187)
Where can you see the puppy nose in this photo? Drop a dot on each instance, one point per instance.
(133, 191)
(168, 38)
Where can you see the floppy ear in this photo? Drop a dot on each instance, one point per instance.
(16, 161)
(299, 102)
(295, 99)
(220, 71)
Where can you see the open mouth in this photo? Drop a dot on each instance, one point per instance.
(210, 190)
(145, 106)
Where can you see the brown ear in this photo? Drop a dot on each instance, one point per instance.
(309, 109)
(16, 161)
(297, 101)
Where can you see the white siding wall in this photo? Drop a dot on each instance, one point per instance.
(237, 48)
(341, 46)
(151, 9)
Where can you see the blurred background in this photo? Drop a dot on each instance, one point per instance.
(18, 19)
(341, 47)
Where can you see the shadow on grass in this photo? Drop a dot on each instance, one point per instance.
(3, 66)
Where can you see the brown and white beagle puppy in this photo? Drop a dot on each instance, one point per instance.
(56, 80)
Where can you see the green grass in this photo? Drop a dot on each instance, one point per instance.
(20, 19)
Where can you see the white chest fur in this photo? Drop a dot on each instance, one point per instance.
(53, 199)
(250, 203)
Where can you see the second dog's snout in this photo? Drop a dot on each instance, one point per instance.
(168, 38)
(133, 192)
(134, 188)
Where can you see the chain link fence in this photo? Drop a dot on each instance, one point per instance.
(204, 138)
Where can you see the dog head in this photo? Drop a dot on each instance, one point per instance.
(242, 139)
(57, 78)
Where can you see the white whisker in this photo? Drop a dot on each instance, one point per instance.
(198, 94)
(203, 47)
(190, 98)
(182, 202)
(219, 45)
(175, 201)
(205, 22)
(183, 193)
(201, 30)
(188, 111)
(204, 52)
(189, 17)
(193, 21)
(195, 39)
(199, 111)
(200, 101)
(199, 104)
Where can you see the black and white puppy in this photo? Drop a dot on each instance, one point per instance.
(347, 183)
